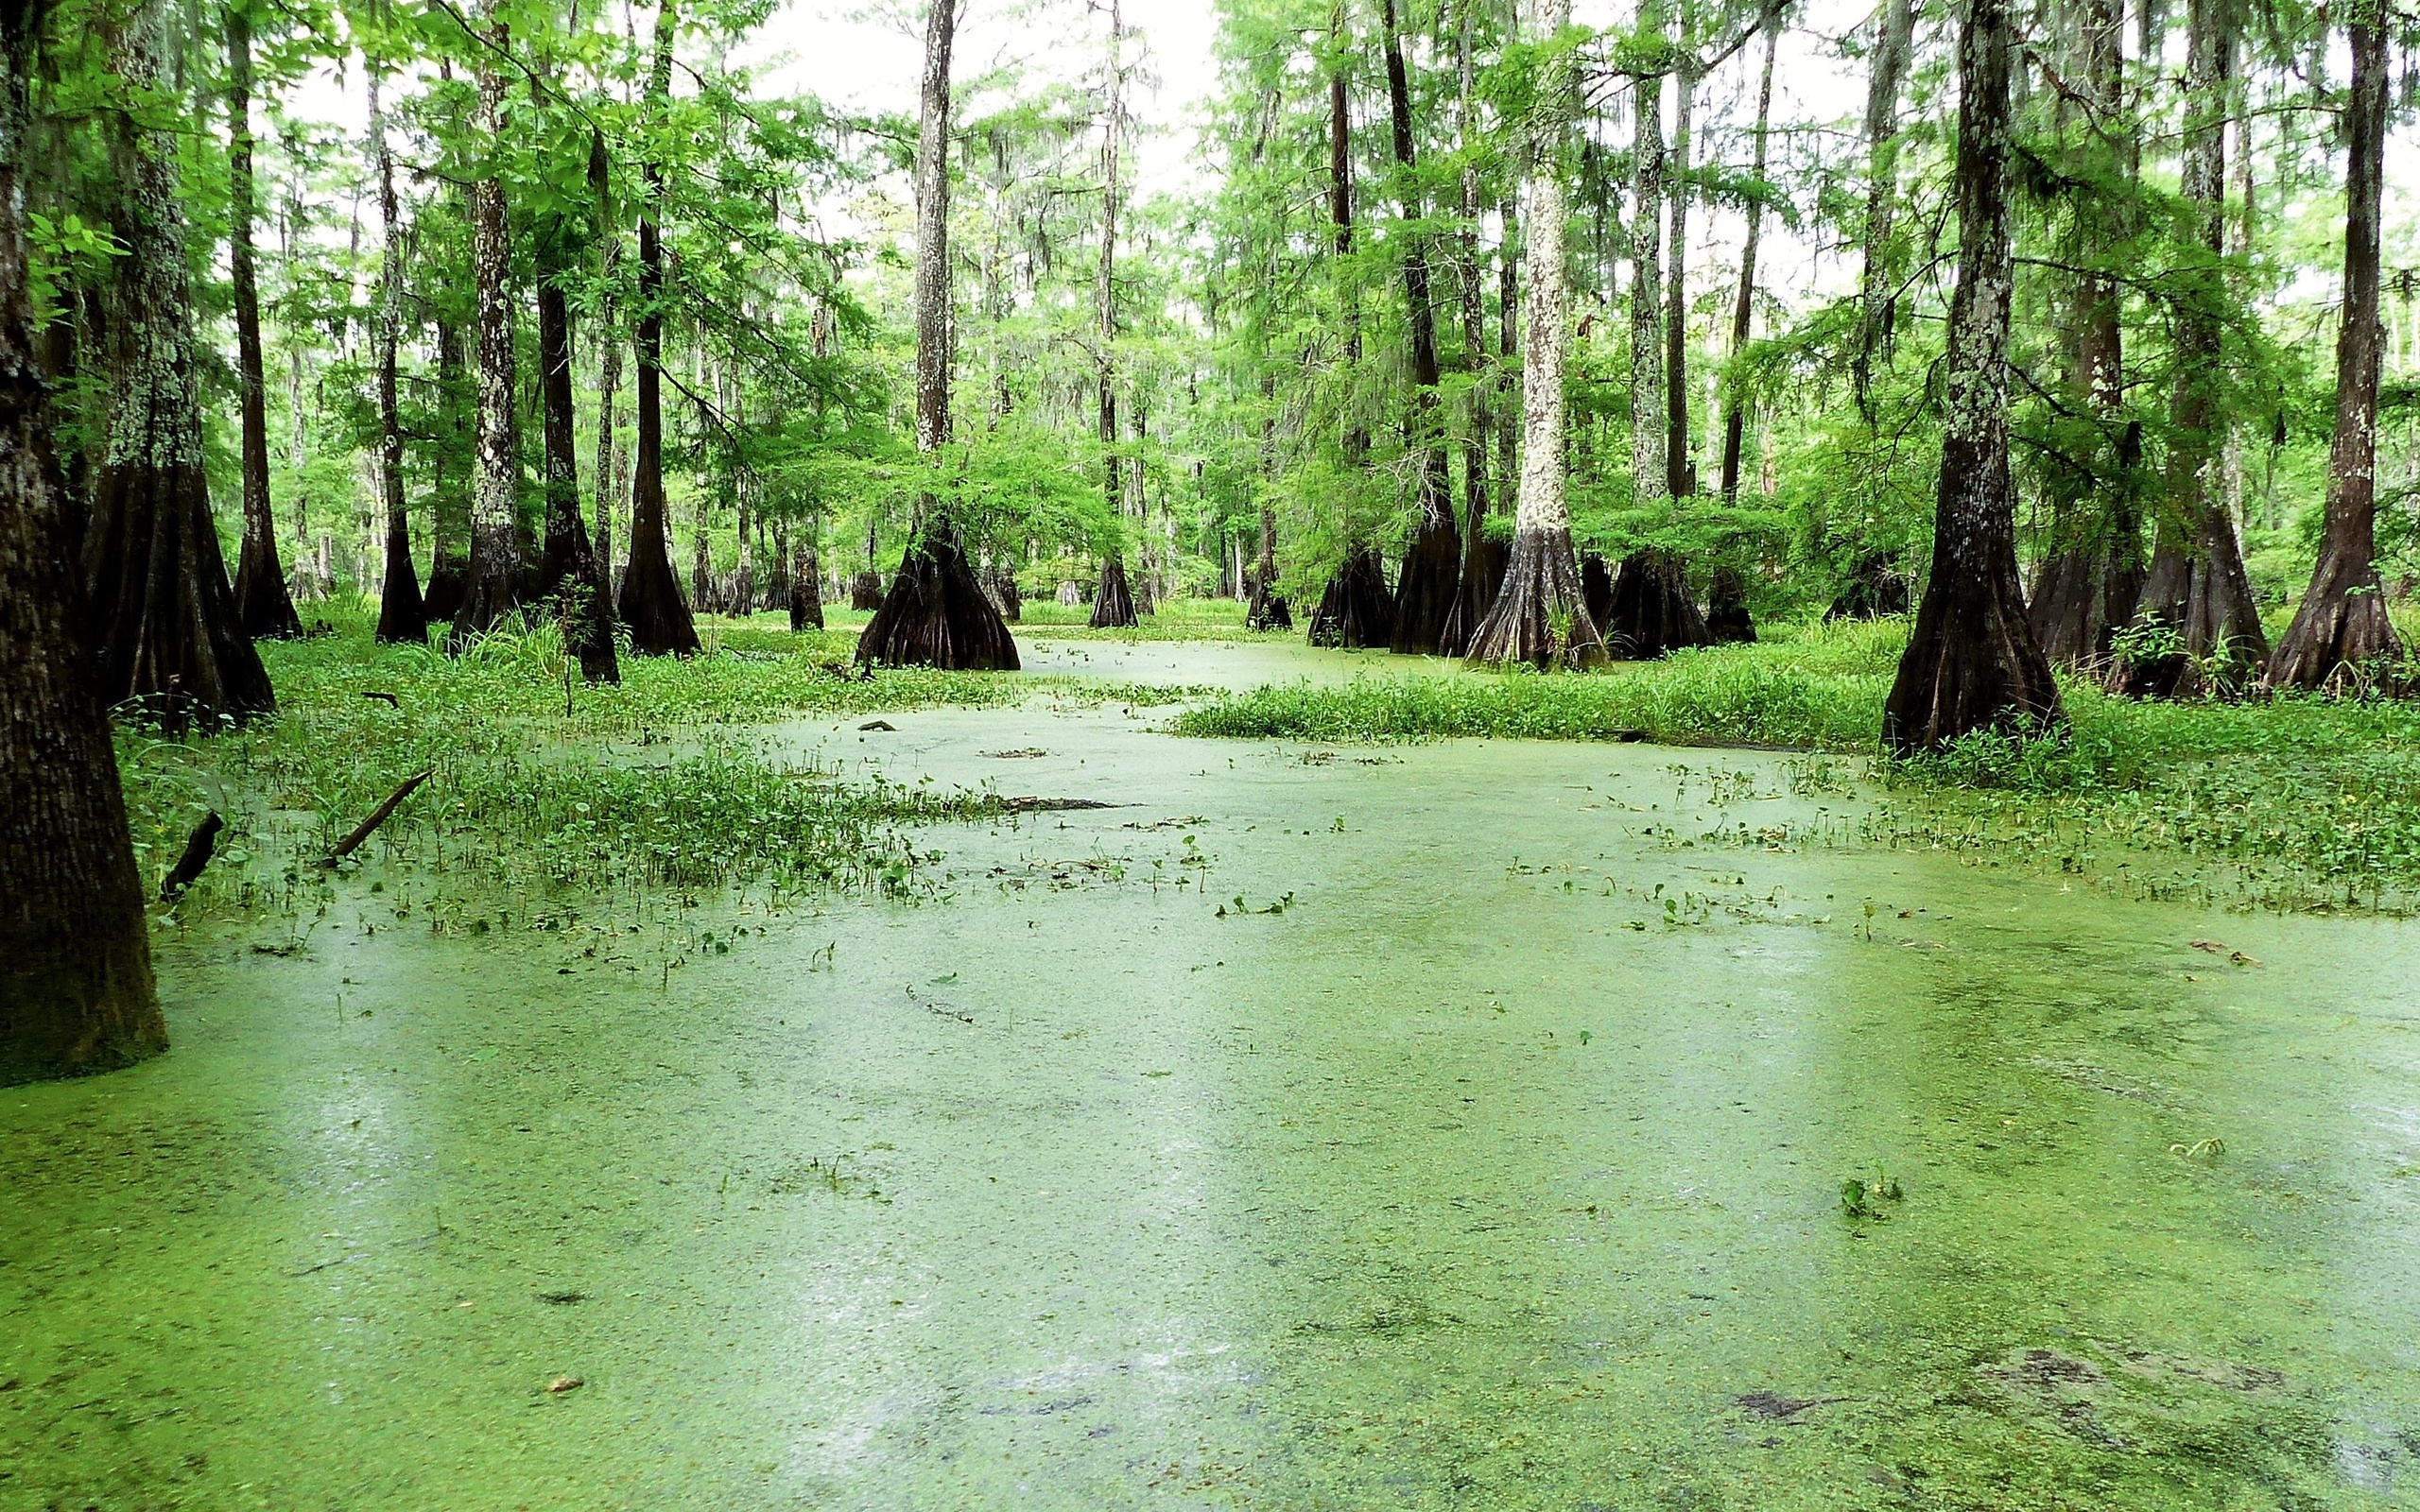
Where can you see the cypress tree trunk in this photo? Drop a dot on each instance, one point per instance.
(807, 584)
(1432, 564)
(1113, 604)
(568, 571)
(1268, 610)
(403, 618)
(262, 604)
(2092, 575)
(650, 603)
(76, 986)
(160, 614)
(493, 591)
(1680, 471)
(1877, 284)
(449, 568)
(1651, 461)
(2342, 629)
(1482, 559)
(2197, 588)
(1651, 613)
(1971, 662)
(611, 482)
(1735, 416)
(1538, 617)
(936, 614)
(1347, 616)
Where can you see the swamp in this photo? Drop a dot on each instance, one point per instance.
(1294, 754)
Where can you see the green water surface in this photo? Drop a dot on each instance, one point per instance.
(1501, 1166)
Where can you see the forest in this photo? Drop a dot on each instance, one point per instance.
(1311, 753)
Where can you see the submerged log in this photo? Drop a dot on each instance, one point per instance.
(936, 614)
(1652, 613)
(1357, 611)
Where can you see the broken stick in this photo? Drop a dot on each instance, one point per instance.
(377, 817)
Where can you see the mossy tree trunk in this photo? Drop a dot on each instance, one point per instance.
(1972, 663)
(76, 985)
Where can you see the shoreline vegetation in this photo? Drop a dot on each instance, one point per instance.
(2292, 802)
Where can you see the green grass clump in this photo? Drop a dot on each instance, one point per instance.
(1820, 690)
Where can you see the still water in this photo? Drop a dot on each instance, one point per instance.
(1457, 1126)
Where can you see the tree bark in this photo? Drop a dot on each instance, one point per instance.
(262, 604)
(568, 571)
(1482, 559)
(1735, 417)
(2197, 589)
(403, 618)
(2091, 576)
(2340, 632)
(1679, 469)
(449, 568)
(1346, 615)
(493, 591)
(1538, 617)
(159, 611)
(1971, 662)
(1432, 564)
(1113, 604)
(76, 986)
(936, 614)
(1650, 456)
(807, 582)
(1877, 284)
(651, 606)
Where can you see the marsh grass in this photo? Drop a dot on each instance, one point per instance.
(2293, 801)
(537, 784)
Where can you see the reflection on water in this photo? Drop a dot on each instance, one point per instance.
(1500, 1165)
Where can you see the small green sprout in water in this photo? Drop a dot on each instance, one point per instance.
(1863, 1196)
(1585, 1036)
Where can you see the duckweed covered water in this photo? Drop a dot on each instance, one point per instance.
(1444, 1126)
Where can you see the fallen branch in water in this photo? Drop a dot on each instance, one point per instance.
(377, 817)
